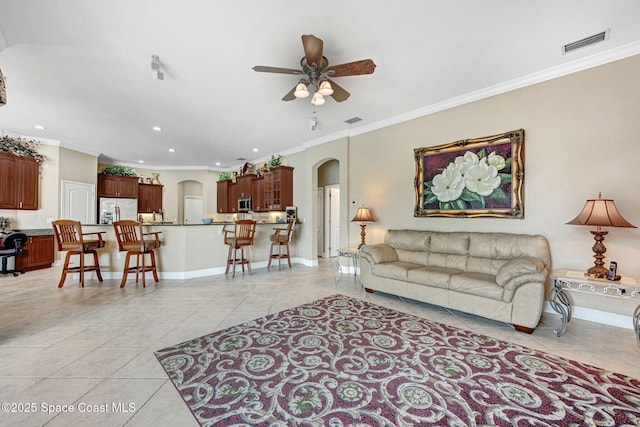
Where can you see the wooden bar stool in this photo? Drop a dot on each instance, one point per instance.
(280, 239)
(132, 240)
(240, 239)
(71, 239)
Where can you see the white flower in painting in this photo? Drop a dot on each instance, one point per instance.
(466, 162)
(497, 161)
(448, 185)
(482, 179)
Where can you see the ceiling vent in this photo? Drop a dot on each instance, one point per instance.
(242, 159)
(353, 120)
(587, 41)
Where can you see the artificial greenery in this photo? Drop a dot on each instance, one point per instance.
(274, 161)
(21, 147)
(119, 170)
(223, 176)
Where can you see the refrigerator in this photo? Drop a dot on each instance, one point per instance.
(111, 209)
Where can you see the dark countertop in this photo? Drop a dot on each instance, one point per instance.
(36, 231)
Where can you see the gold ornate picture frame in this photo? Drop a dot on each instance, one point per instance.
(481, 177)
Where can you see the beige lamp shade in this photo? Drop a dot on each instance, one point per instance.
(3, 91)
(601, 213)
(363, 215)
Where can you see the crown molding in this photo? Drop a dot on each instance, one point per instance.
(572, 67)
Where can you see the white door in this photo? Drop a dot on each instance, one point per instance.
(192, 209)
(78, 201)
(332, 209)
(320, 223)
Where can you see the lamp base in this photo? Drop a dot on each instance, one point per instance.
(363, 234)
(598, 270)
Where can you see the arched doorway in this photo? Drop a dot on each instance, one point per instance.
(328, 208)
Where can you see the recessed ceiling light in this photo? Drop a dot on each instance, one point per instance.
(40, 127)
(140, 161)
(172, 150)
(217, 163)
(157, 128)
(255, 150)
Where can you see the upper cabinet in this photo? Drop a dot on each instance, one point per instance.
(149, 198)
(278, 188)
(271, 192)
(19, 179)
(125, 187)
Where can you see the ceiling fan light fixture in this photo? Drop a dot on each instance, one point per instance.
(317, 99)
(301, 91)
(325, 88)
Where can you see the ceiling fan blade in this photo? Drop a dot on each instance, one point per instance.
(365, 66)
(290, 96)
(263, 69)
(313, 50)
(339, 93)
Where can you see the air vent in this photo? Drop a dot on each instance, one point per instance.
(353, 120)
(587, 41)
(242, 159)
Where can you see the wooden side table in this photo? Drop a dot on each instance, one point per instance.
(350, 253)
(575, 281)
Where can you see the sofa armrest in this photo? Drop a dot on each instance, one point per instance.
(379, 253)
(519, 267)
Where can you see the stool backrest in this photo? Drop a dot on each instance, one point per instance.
(127, 234)
(245, 229)
(68, 234)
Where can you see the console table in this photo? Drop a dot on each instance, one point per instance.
(575, 281)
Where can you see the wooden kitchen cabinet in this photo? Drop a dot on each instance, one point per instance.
(222, 199)
(125, 187)
(36, 254)
(271, 192)
(278, 188)
(149, 198)
(258, 199)
(19, 182)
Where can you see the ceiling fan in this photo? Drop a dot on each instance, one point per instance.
(316, 72)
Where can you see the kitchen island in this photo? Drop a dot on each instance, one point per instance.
(188, 251)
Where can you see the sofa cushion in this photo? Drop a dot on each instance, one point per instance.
(380, 253)
(518, 267)
(394, 270)
(450, 243)
(432, 276)
(410, 240)
(483, 285)
(413, 257)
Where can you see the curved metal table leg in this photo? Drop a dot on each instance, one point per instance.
(560, 303)
(636, 324)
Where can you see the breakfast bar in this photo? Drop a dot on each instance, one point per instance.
(187, 251)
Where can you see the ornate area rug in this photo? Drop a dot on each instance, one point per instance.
(343, 362)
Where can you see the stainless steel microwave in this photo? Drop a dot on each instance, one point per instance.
(244, 204)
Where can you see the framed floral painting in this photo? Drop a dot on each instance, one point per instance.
(481, 177)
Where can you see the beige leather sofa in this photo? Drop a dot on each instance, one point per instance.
(499, 276)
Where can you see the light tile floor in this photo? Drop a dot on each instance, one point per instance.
(91, 350)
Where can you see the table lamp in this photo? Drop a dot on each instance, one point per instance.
(363, 216)
(600, 213)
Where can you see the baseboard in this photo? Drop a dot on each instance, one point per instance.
(597, 316)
